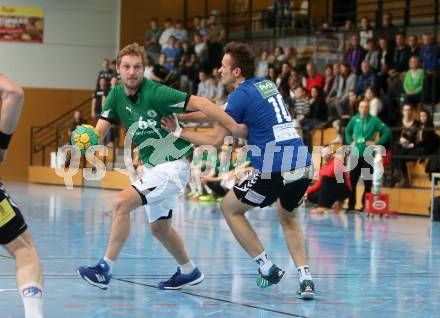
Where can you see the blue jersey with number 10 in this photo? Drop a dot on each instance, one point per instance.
(278, 148)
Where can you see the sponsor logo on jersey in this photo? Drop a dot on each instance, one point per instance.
(151, 113)
(266, 88)
(146, 124)
(129, 109)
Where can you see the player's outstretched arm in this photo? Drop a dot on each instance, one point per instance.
(12, 97)
(195, 117)
(213, 137)
(216, 113)
(102, 128)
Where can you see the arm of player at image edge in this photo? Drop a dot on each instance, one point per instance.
(213, 137)
(216, 113)
(102, 128)
(12, 98)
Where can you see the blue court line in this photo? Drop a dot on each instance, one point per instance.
(219, 300)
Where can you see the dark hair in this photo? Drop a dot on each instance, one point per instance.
(242, 58)
(429, 122)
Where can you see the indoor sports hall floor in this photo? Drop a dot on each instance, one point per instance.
(361, 267)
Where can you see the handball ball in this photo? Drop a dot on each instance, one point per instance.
(84, 137)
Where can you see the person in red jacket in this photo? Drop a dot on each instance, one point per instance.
(333, 185)
(313, 78)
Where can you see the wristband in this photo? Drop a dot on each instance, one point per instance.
(5, 139)
(177, 132)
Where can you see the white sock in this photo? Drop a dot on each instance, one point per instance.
(32, 296)
(187, 268)
(264, 263)
(304, 273)
(109, 262)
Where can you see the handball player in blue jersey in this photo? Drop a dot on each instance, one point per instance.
(280, 161)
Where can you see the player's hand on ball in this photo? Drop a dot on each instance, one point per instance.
(168, 123)
(3, 153)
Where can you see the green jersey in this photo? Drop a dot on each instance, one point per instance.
(153, 102)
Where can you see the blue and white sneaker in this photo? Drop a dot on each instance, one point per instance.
(179, 280)
(98, 275)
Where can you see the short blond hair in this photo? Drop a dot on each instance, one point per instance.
(133, 49)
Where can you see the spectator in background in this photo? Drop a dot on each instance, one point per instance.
(187, 74)
(413, 43)
(166, 33)
(99, 97)
(152, 40)
(355, 55)
(367, 78)
(429, 55)
(197, 25)
(375, 102)
(372, 55)
(341, 118)
(427, 141)
(204, 28)
(216, 39)
(325, 29)
(272, 74)
(148, 70)
(204, 88)
(385, 63)
(413, 82)
(106, 73)
(277, 59)
(172, 54)
(77, 121)
(113, 82)
(180, 32)
(329, 79)
(187, 50)
(299, 108)
(318, 108)
(200, 48)
(347, 83)
(263, 64)
(332, 94)
(219, 97)
(401, 55)
(361, 131)
(388, 30)
(406, 145)
(290, 55)
(160, 73)
(296, 79)
(365, 32)
(313, 78)
(333, 185)
(283, 80)
(348, 26)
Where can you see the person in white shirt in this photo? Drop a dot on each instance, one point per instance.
(167, 32)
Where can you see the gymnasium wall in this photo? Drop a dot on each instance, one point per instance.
(41, 106)
(77, 35)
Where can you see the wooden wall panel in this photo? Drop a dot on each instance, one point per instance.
(40, 107)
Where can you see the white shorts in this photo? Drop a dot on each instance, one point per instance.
(160, 185)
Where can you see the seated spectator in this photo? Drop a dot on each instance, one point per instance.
(401, 55)
(365, 32)
(187, 50)
(216, 39)
(325, 29)
(375, 102)
(313, 78)
(113, 82)
(148, 71)
(331, 95)
(219, 97)
(372, 55)
(203, 31)
(300, 106)
(272, 74)
(263, 64)
(355, 55)
(413, 43)
(296, 79)
(152, 40)
(361, 132)
(428, 55)
(172, 54)
(180, 32)
(385, 63)
(347, 82)
(340, 119)
(333, 185)
(413, 82)
(200, 48)
(277, 59)
(318, 108)
(290, 56)
(199, 27)
(367, 78)
(77, 121)
(329, 79)
(99, 97)
(348, 26)
(161, 74)
(166, 33)
(283, 80)
(427, 141)
(205, 88)
(406, 145)
(188, 74)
